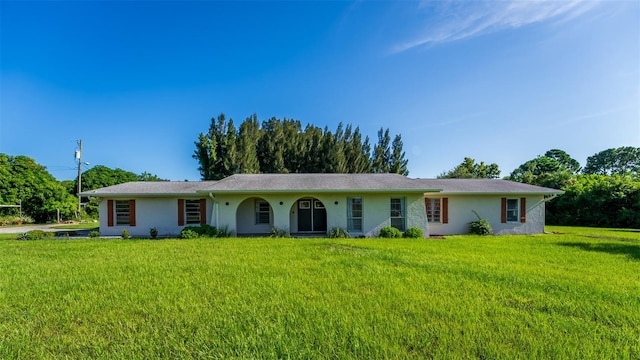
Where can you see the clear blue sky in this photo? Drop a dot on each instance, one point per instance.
(498, 81)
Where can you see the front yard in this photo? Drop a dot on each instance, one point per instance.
(569, 295)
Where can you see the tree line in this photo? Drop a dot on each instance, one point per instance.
(604, 193)
(42, 197)
(284, 146)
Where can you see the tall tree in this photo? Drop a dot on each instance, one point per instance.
(398, 162)
(564, 160)
(357, 157)
(282, 146)
(469, 169)
(546, 170)
(248, 137)
(271, 147)
(211, 150)
(293, 152)
(381, 153)
(230, 141)
(619, 161)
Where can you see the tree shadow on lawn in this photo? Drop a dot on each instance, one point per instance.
(632, 251)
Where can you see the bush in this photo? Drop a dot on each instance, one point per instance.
(223, 232)
(480, 226)
(187, 233)
(203, 230)
(15, 220)
(153, 233)
(337, 232)
(414, 233)
(279, 233)
(94, 234)
(125, 234)
(35, 235)
(390, 232)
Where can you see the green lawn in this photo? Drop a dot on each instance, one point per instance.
(573, 295)
(80, 226)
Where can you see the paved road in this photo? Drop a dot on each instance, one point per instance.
(45, 227)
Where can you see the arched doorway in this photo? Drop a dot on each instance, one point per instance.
(254, 217)
(311, 216)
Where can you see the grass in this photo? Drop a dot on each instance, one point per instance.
(569, 295)
(79, 226)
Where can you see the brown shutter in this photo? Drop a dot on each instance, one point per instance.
(132, 212)
(523, 210)
(109, 212)
(203, 211)
(503, 211)
(180, 212)
(445, 210)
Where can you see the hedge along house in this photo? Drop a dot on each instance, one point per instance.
(312, 204)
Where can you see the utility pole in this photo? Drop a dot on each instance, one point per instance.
(79, 158)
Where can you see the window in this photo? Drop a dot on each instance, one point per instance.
(192, 211)
(397, 213)
(354, 215)
(317, 204)
(123, 212)
(262, 212)
(433, 210)
(512, 210)
(304, 204)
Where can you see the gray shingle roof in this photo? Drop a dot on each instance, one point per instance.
(151, 188)
(264, 183)
(485, 186)
(317, 182)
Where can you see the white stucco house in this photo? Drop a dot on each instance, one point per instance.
(311, 204)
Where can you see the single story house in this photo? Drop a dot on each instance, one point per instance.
(312, 204)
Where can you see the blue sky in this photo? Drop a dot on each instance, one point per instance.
(498, 81)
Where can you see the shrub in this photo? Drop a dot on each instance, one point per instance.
(125, 234)
(223, 232)
(15, 220)
(279, 233)
(337, 232)
(203, 230)
(35, 235)
(414, 233)
(187, 233)
(480, 226)
(94, 234)
(153, 233)
(390, 232)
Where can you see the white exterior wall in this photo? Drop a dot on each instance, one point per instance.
(489, 208)
(161, 213)
(246, 218)
(376, 211)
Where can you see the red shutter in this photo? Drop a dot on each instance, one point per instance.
(523, 210)
(503, 211)
(445, 210)
(203, 211)
(109, 212)
(132, 212)
(180, 212)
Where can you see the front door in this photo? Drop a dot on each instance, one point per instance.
(312, 216)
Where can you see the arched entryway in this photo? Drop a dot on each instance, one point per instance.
(310, 216)
(254, 217)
